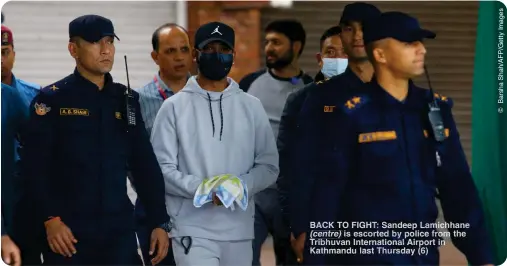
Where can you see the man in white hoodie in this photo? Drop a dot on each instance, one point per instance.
(211, 127)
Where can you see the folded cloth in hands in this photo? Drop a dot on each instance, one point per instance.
(228, 188)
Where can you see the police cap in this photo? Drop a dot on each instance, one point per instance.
(359, 11)
(7, 38)
(214, 31)
(396, 25)
(91, 28)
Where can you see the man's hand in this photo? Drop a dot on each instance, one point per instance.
(298, 245)
(159, 240)
(60, 238)
(10, 252)
(216, 200)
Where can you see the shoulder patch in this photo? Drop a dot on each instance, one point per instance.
(443, 99)
(41, 108)
(354, 103)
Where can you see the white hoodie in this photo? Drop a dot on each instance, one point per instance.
(199, 134)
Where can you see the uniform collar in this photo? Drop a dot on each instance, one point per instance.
(14, 82)
(87, 84)
(416, 97)
(352, 78)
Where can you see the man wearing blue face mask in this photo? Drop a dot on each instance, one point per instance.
(295, 191)
(331, 58)
(208, 129)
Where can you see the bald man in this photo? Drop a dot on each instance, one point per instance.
(173, 55)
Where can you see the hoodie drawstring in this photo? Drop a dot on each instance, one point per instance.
(211, 113)
(221, 116)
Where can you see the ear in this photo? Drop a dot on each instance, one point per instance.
(296, 46)
(154, 56)
(318, 56)
(73, 50)
(195, 54)
(233, 56)
(379, 55)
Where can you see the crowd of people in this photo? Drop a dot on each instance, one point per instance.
(357, 142)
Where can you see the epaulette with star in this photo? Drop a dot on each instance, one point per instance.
(355, 103)
(50, 89)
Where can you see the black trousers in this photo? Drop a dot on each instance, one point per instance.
(28, 233)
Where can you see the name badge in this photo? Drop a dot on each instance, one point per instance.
(74, 111)
(377, 136)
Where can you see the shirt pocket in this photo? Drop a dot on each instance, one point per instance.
(378, 157)
(77, 133)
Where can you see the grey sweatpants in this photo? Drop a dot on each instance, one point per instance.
(206, 252)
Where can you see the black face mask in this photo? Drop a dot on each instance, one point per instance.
(215, 66)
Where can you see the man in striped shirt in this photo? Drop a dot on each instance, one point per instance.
(173, 54)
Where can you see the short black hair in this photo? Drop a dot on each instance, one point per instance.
(291, 28)
(155, 38)
(333, 31)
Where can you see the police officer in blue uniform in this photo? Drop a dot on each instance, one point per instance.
(14, 114)
(383, 154)
(297, 212)
(25, 233)
(78, 144)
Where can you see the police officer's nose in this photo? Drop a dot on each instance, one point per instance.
(421, 49)
(105, 49)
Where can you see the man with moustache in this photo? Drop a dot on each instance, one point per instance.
(173, 54)
(209, 129)
(284, 44)
(390, 146)
(301, 204)
(77, 147)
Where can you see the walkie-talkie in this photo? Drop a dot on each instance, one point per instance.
(131, 112)
(434, 115)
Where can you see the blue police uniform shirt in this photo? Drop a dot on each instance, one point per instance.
(77, 150)
(372, 158)
(14, 114)
(27, 91)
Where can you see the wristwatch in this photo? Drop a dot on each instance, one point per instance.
(167, 226)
